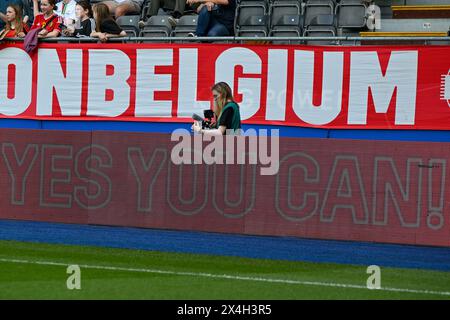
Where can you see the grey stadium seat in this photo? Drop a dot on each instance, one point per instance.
(157, 26)
(278, 9)
(321, 25)
(351, 14)
(322, 20)
(130, 24)
(287, 26)
(185, 25)
(316, 7)
(246, 9)
(254, 26)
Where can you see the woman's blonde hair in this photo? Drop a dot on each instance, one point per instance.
(225, 95)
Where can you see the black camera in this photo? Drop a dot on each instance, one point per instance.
(207, 120)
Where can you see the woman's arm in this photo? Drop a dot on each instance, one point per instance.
(35, 8)
(105, 36)
(210, 132)
(121, 34)
(100, 35)
(215, 132)
(53, 34)
(3, 17)
(200, 7)
(68, 32)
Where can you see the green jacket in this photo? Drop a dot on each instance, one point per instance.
(236, 121)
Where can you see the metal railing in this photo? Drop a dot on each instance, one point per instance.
(336, 40)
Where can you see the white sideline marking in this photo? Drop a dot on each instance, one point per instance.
(225, 276)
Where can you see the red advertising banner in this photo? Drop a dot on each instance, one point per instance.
(386, 87)
(380, 191)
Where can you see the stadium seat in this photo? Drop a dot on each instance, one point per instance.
(130, 24)
(157, 26)
(254, 26)
(287, 26)
(350, 14)
(185, 25)
(316, 7)
(322, 20)
(278, 9)
(348, 33)
(322, 31)
(246, 9)
(321, 25)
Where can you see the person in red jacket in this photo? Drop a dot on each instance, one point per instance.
(15, 27)
(47, 20)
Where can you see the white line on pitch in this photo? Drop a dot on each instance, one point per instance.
(225, 276)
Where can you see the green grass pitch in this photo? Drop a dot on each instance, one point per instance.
(39, 271)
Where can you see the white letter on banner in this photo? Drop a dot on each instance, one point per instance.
(365, 73)
(147, 82)
(276, 84)
(251, 87)
(333, 65)
(187, 85)
(21, 100)
(67, 85)
(99, 82)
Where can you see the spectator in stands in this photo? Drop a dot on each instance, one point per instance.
(3, 6)
(120, 8)
(85, 24)
(105, 26)
(178, 7)
(226, 110)
(66, 10)
(48, 21)
(215, 17)
(15, 27)
(24, 6)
